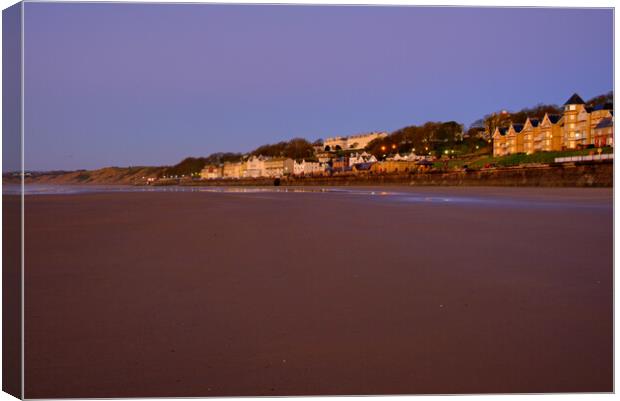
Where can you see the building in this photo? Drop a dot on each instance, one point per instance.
(393, 166)
(255, 167)
(362, 167)
(410, 157)
(278, 167)
(211, 172)
(530, 132)
(514, 141)
(307, 168)
(603, 133)
(323, 157)
(550, 135)
(598, 114)
(397, 157)
(233, 170)
(580, 122)
(356, 158)
(318, 146)
(499, 142)
(298, 167)
(574, 132)
(575, 129)
(353, 142)
(340, 163)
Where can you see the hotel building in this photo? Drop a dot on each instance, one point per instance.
(578, 127)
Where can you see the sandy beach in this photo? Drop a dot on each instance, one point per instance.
(436, 290)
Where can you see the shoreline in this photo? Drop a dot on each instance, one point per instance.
(388, 191)
(578, 174)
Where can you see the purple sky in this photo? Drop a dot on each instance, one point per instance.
(137, 84)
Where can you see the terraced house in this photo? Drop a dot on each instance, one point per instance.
(278, 167)
(604, 132)
(499, 142)
(530, 131)
(211, 172)
(234, 170)
(550, 135)
(255, 167)
(579, 126)
(514, 141)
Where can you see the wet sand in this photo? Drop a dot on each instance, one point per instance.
(211, 294)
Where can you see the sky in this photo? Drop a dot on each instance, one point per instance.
(150, 84)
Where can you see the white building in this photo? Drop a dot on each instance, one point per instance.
(363, 157)
(397, 157)
(352, 142)
(307, 168)
(298, 167)
(323, 157)
(311, 168)
(255, 167)
(413, 157)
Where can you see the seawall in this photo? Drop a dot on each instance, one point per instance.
(587, 174)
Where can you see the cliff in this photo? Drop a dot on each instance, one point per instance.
(107, 175)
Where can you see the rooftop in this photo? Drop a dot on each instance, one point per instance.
(575, 99)
(605, 123)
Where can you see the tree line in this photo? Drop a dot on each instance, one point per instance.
(431, 138)
(296, 148)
